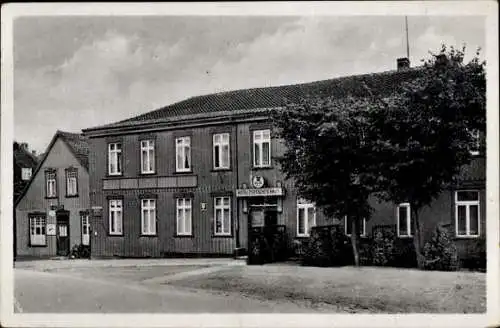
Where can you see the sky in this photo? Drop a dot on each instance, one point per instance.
(72, 73)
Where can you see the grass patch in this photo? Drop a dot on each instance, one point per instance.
(366, 289)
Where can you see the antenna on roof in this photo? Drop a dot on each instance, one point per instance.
(407, 41)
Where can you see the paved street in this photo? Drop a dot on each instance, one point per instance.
(51, 287)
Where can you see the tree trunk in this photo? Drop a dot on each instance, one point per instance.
(417, 238)
(354, 240)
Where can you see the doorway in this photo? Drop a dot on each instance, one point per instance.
(62, 233)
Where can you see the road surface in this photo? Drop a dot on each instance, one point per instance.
(44, 292)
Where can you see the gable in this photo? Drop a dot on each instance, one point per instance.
(59, 157)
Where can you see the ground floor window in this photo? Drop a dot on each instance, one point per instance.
(38, 231)
(467, 213)
(348, 226)
(404, 220)
(115, 217)
(184, 216)
(306, 218)
(85, 229)
(148, 216)
(222, 214)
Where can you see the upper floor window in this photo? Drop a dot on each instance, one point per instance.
(476, 142)
(115, 217)
(184, 216)
(348, 226)
(50, 183)
(221, 151)
(306, 218)
(37, 230)
(115, 158)
(26, 173)
(183, 154)
(71, 182)
(262, 148)
(148, 216)
(467, 213)
(147, 156)
(222, 209)
(404, 224)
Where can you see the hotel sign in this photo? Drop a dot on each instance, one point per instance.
(261, 192)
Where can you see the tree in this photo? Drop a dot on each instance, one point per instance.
(425, 134)
(328, 156)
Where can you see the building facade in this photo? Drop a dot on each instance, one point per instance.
(193, 177)
(52, 212)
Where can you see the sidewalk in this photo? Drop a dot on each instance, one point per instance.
(101, 263)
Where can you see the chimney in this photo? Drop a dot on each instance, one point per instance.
(23, 146)
(403, 63)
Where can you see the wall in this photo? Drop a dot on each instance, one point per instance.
(59, 158)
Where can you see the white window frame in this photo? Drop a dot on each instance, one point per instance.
(260, 137)
(364, 227)
(181, 144)
(468, 204)
(116, 207)
(85, 225)
(221, 208)
(40, 222)
(148, 205)
(26, 173)
(51, 187)
(148, 148)
(224, 139)
(302, 205)
(408, 220)
(71, 179)
(113, 158)
(184, 222)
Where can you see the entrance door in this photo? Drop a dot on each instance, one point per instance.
(62, 234)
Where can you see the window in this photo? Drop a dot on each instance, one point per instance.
(184, 215)
(467, 213)
(115, 158)
(71, 182)
(221, 151)
(348, 227)
(26, 173)
(404, 224)
(37, 231)
(262, 148)
(51, 186)
(115, 217)
(222, 216)
(147, 156)
(85, 229)
(148, 216)
(183, 154)
(476, 142)
(306, 218)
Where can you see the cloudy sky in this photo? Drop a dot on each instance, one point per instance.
(78, 72)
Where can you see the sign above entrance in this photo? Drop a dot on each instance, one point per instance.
(257, 181)
(262, 192)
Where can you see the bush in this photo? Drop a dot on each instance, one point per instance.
(440, 252)
(326, 246)
(80, 251)
(383, 247)
(404, 253)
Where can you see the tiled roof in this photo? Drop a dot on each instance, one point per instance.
(271, 97)
(78, 145)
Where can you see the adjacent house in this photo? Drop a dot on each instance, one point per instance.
(25, 162)
(51, 213)
(194, 177)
